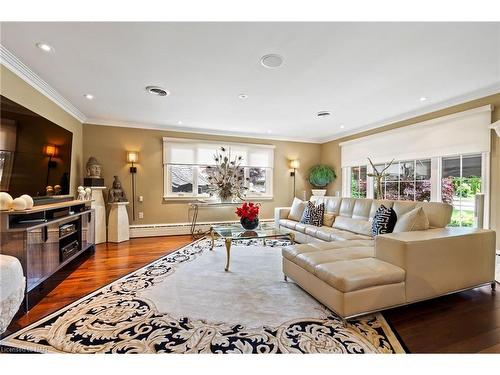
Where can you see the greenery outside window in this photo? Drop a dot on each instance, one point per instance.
(461, 178)
(407, 180)
(358, 182)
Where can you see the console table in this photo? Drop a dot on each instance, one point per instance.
(45, 239)
(196, 205)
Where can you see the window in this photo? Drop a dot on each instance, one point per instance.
(358, 182)
(185, 164)
(406, 180)
(461, 180)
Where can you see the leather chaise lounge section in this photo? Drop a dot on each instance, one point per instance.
(353, 273)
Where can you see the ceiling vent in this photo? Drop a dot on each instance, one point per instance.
(323, 113)
(272, 61)
(156, 90)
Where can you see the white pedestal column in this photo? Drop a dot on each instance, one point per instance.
(118, 225)
(100, 213)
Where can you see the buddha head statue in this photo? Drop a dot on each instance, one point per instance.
(93, 168)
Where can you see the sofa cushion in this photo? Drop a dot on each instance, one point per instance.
(355, 274)
(332, 204)
(328, 219)
(309, 260)
(347, 206)
(414, 220)
(301, 227)
(439, 214)
(287, 223)
(402, 207)
(291, 251)
(312, 230)
(343, 235)
(324, 232)
(384, 221)
(376, 203)
(362, 209)
(297, 209)
(359, 226)
(313, 214)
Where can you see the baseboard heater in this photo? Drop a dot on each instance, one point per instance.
(157, 230)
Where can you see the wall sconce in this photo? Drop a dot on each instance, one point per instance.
(294, 164)
(50, 150)
(133, 157)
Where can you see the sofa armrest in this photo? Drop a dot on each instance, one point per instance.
(280, 213)
(440, 261)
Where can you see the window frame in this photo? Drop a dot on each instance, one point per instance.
(170, 195)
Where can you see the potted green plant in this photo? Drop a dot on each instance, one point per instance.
(319, 177)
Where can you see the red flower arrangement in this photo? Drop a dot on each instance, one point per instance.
(248, 211)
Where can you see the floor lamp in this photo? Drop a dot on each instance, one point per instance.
(294, 164)
(133, 157)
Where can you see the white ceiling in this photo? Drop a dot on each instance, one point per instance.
(367, 74)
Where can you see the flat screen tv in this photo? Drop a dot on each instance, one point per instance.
(35, 154)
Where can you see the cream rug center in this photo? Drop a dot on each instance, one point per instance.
(252, 293)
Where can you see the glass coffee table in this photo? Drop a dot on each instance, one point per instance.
(231, 232)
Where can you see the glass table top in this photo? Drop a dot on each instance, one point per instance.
(236, 231)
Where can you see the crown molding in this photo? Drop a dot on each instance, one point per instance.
(180, 129)
(478, 94)
(16, 66)
(496, 127)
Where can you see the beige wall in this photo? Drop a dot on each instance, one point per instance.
(15, 89)
(109, 144)
(330, 152)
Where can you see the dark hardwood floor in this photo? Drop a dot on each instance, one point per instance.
(109, 262)
(467, 322)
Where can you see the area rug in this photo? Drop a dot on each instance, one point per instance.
(186, 303)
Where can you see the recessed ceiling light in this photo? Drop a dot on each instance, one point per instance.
(242, 96)
(156, 90)
(269, 131)
(342, 126)
(423, 99)
(179, 122)
(323, 113)
(271, 61)
(89, 96)
(45, 47)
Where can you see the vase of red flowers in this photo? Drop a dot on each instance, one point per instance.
(248, 213)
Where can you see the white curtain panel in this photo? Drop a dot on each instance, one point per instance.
(191, 152)
(460, 133)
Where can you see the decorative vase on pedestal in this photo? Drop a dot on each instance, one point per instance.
(318, 192)
(226, 199)
(249, 224)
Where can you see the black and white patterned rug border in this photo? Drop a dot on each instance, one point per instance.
(114, 319)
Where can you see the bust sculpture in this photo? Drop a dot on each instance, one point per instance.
(116, 193)
(93, 169)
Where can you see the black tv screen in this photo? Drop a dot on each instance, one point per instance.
(35, 153)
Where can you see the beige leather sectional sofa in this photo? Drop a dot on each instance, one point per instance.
(352, 273)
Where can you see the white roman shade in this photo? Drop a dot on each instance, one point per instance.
(192, 152)
(465, 132)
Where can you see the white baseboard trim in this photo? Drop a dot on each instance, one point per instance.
(175, 229)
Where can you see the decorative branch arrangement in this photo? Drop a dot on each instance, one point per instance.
(378, 176)
(226, 178)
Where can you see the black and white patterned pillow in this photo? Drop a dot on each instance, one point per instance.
(313, 214)
(384, 220)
